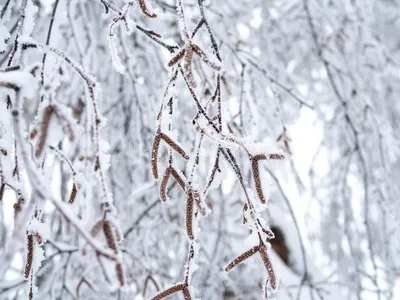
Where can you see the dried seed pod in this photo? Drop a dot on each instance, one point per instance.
(186, 293)
(174, 146)
(109, 236)
(44, 130)
(268, 266)
(154, 154)
(163, 185)
(29, 257)
(189, 214)
(120, 274)
(73, 194)
(145, 10)
(242, 258)
(188, 66)
(168, 292)
(178, 178)
(3, 151)
(177, 58)
(257, 179)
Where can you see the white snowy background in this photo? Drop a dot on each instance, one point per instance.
(86, 87)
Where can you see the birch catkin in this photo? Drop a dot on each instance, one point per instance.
(268, 266)
(145, 10)
(43, 131)
(120, 274)
(177, 58)
(188, 66)
(109, 236)
(257, 180)
(174, 146)
(186, 293)
(154, 154)
(73, 194)
(163, 185)
(178, 178)
(189, 214)
(241, 258)
(29, 257)
(168, 292)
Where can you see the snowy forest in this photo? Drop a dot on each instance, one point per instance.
(199, 149)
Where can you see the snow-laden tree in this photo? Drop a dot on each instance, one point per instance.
(199, 149)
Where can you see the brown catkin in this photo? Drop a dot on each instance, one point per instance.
(120, 274)
(163, 185)
(154, 154)
(73, 194)
(204, 57)
(29, 256)
(189, 214)
(186, 293)
(259, 157)
(44, 128)
(168, 292)
(145, 10)
(268, 266)
(188, 66)
(174, 146)
(276, 156)
(241, 258)
(177, 58)
(178, 178)
(257, 180)
(109, 236)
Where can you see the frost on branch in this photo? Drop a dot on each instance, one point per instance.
(318, 79)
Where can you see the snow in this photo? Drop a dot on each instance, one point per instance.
(315, 82)
(29, 23)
